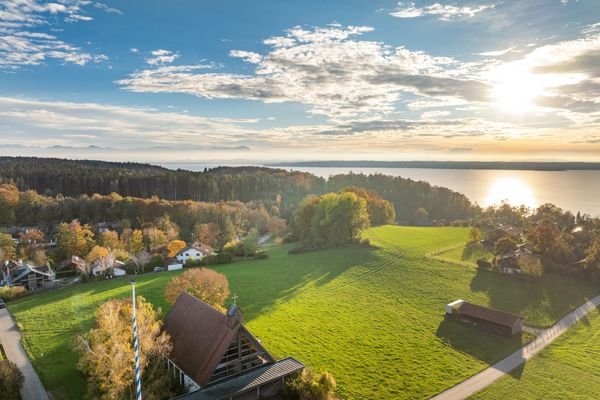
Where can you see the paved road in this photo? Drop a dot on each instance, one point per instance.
(490, 375)
(10, 337)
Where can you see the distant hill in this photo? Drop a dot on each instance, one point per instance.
(508, 165)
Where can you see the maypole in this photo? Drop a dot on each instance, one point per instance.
(138, 378)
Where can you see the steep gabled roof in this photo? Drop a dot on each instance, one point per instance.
(201, 336)
(488, 314)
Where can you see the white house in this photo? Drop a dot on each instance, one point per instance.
(192, 252)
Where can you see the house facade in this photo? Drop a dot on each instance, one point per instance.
(31, 277)
(215, 357)
(196, 253)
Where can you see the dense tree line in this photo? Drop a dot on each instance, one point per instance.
(71, 178)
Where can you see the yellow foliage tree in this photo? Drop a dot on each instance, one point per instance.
(175, 246)
(96, 253)
(107, 352)
(207, 285)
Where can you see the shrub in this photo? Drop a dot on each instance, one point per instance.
(221, 258)
(11, 380)
(312, 385)
(12, 293)
(235, 248)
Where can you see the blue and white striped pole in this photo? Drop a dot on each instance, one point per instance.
(138, 379)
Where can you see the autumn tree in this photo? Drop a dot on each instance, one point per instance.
(11, 380)
(504, 245)
(339, 219)
(593, 260)
(140, 260)
(170, 228)
(102, 258)
(313, 385)
(175, 246)
(543, 235)
(7, 247)
(30, 241)
(207, 234)
(207, 285)
(474, 235)
(9, 198)
(155, 237)
(75, 239)
(110, 240)
(277, 226)
(133, 241)
(303, 216)
(107, 357)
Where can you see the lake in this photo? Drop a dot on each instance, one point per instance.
(570, 190)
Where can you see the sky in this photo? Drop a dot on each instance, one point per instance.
(271, 80)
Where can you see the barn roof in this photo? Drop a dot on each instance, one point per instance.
(201, 336)
(488, 314)
(246, 382)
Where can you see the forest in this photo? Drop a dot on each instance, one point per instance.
(414, 202)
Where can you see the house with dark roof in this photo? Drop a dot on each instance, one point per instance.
(23, 274)
(500, 322)
(215, 357)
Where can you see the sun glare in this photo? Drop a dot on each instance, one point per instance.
(516, 88)
(512, 191)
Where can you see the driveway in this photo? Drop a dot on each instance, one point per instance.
(488, 376)
(10, 337)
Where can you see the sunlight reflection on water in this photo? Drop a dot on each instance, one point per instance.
(511, 190)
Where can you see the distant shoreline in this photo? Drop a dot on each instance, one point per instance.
(482, 165)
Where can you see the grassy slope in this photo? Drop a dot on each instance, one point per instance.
(467, 254)
(567, 369)
(373, 317)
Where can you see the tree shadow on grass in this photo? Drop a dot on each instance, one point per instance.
(263, 284)
(479, 343)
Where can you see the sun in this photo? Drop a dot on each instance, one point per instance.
(512, 191)
(516, 88)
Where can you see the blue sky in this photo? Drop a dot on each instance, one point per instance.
(273, 80)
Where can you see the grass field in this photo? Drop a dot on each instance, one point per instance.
(466, 254)
(373, 316)
(568, 369)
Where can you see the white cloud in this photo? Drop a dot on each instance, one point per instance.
(328, 69)
(444, 12)
(497, 53)
(161, 57)
(20, 45)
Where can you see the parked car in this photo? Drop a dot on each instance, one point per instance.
(159, 269)
(2, 304)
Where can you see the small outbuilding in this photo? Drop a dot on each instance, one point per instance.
(499, 322)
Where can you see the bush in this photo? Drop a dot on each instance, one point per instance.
(484, 264)
(311, 385)
(11, 380)
(12, 293)
(235, 248)
(221, 258)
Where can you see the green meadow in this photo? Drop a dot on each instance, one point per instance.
(568, 369)
(374, 316)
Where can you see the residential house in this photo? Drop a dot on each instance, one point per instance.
(24, 274)
(215, 357)
(196, 253)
